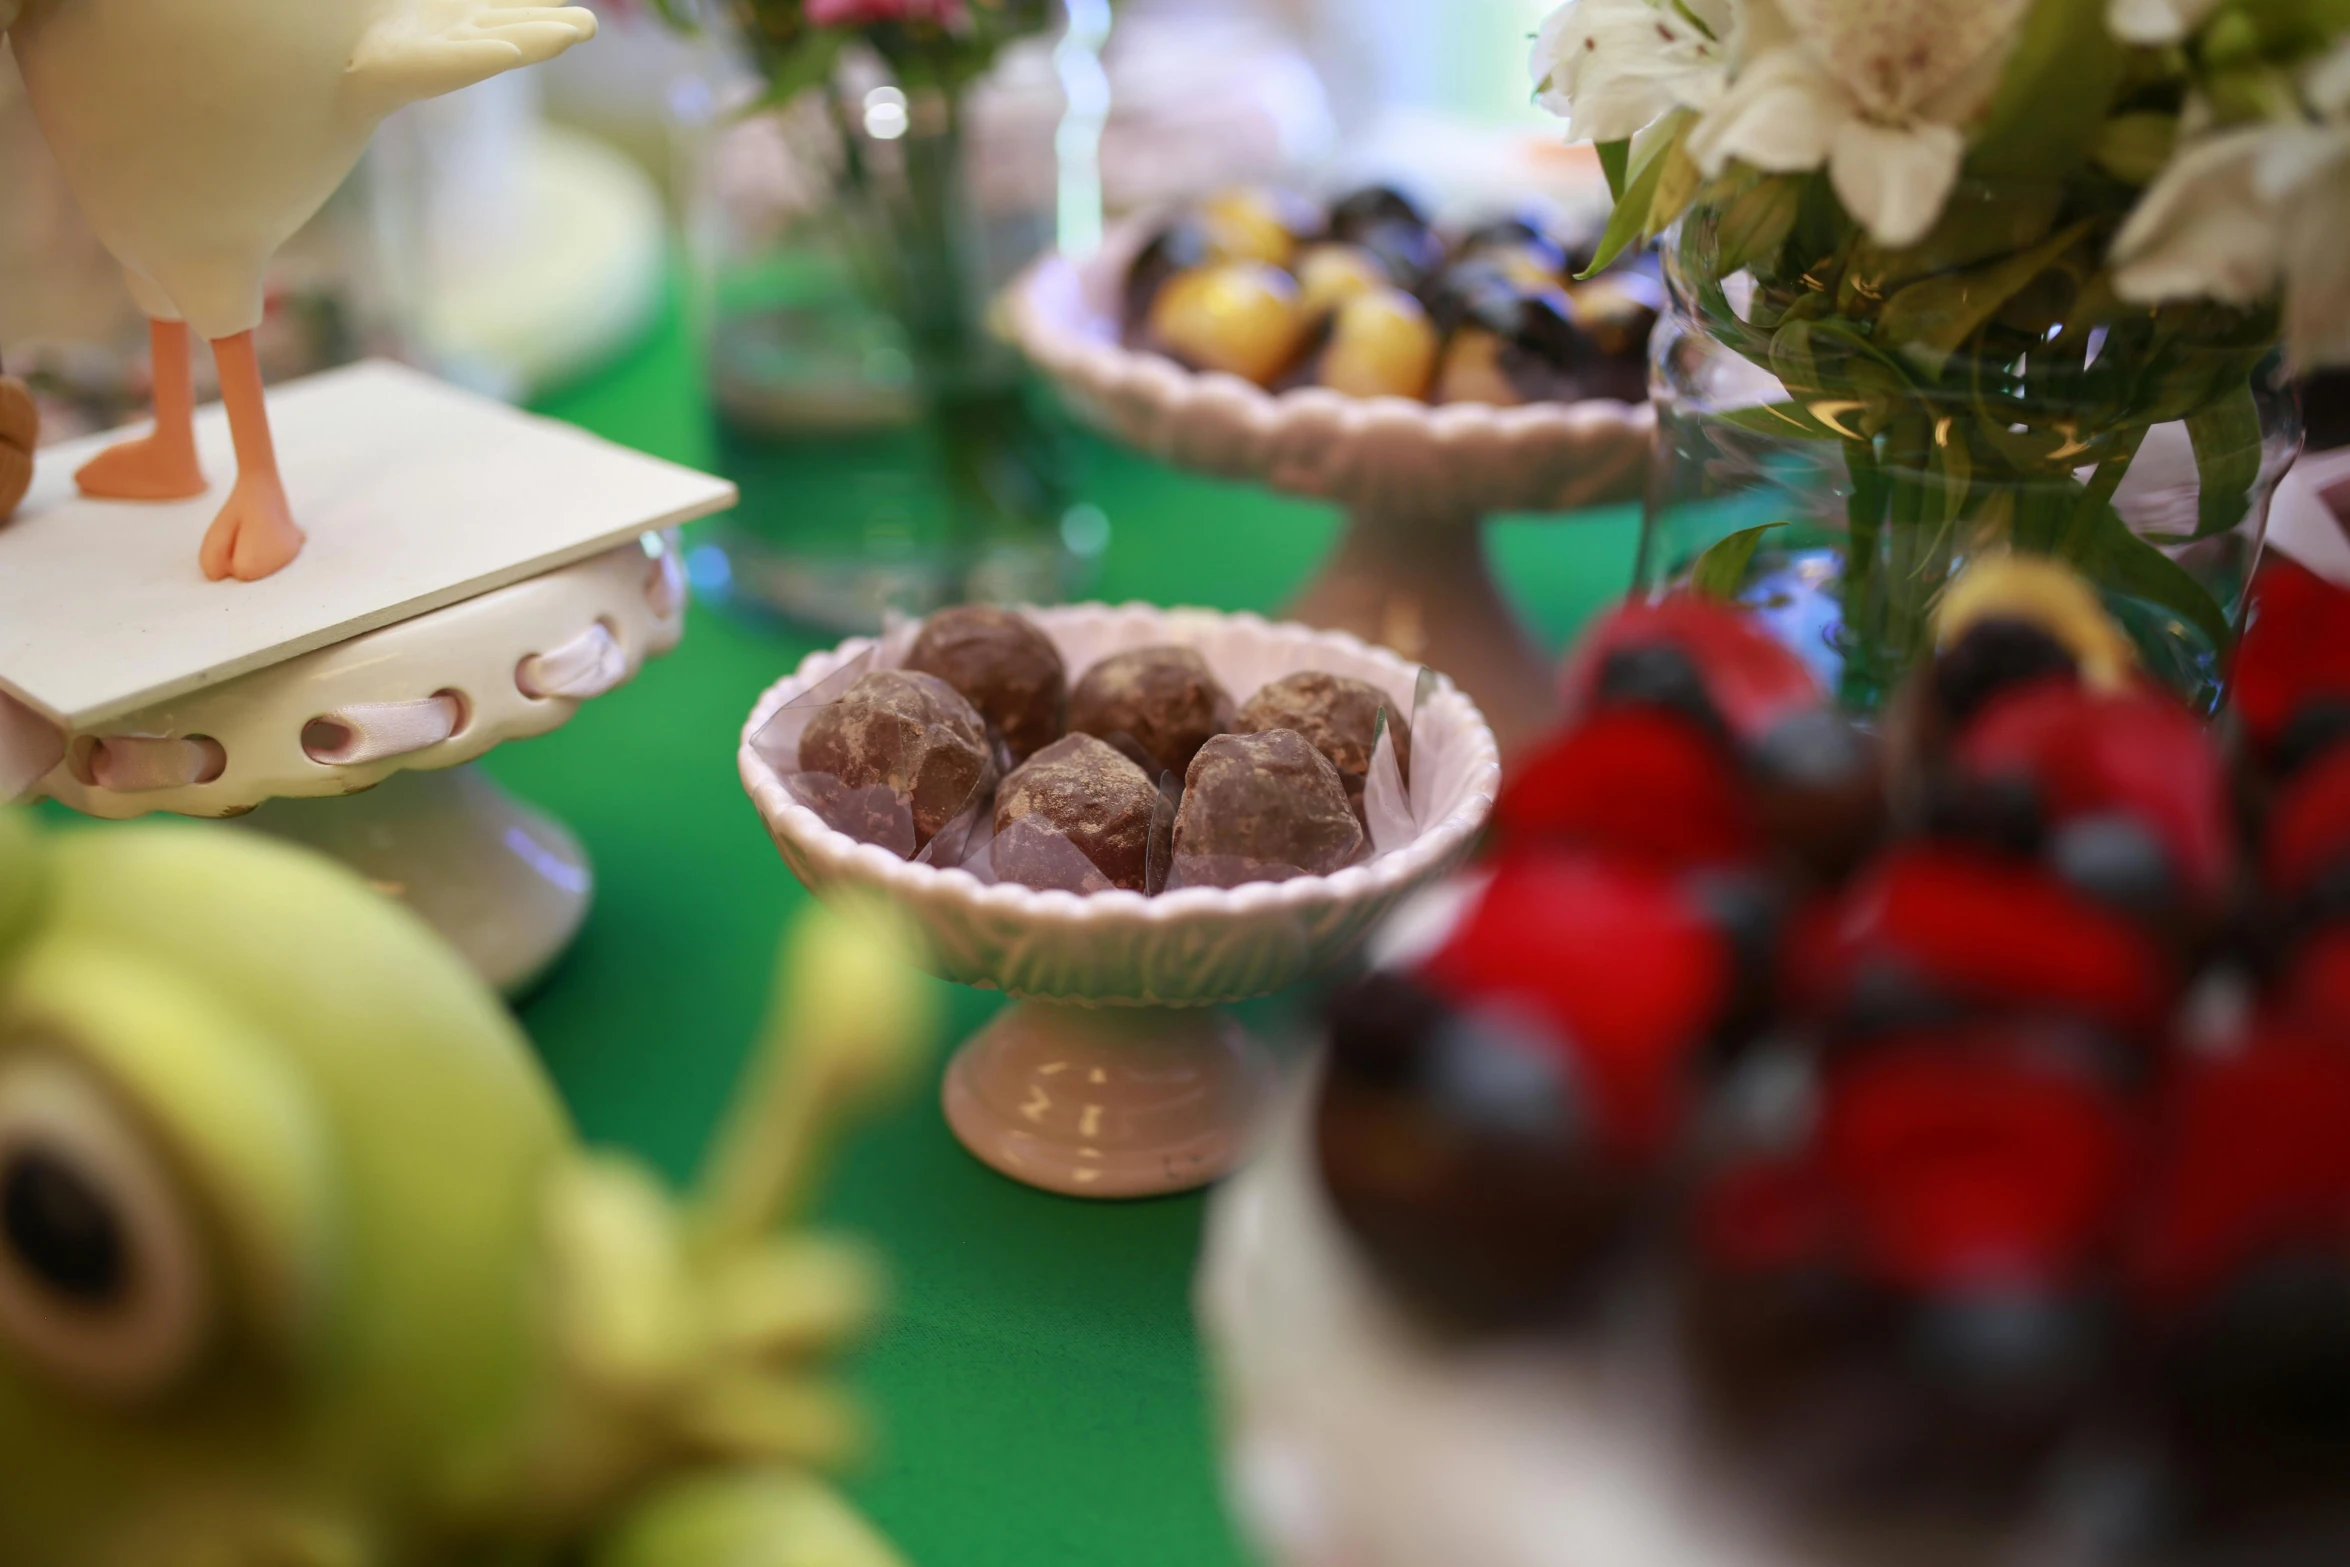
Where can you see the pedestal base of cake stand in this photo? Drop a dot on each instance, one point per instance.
(1423, 585)
(1109, 1102)
(507, 885)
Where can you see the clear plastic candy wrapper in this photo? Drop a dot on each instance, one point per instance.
(1283, 802)
(1082, 815)
(888, 756)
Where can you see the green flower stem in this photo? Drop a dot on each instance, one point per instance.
(1864, 513)
(1914, 582)
(2088, 517)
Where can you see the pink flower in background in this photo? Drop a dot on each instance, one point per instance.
(862, 13)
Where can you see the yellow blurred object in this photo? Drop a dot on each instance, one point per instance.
(2037, 590)
(1526, 266)
(1381, 345)
(1241, 317)
(1472, 371)
(1330, 275)
(1253, 224)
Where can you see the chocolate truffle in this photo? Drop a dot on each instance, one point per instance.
(1263, 807)
(1165, 698)
(1337, 715)
(1085, 792)
(1004, 667)
(909, 733)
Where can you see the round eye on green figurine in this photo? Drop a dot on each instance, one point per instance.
(302, 1264)
(101, 1271)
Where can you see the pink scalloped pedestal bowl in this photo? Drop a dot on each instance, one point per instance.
(1113, 1074)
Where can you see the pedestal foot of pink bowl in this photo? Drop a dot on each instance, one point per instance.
(1109, 1102)
(1423, 586)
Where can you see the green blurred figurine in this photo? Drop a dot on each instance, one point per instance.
(302, 1265)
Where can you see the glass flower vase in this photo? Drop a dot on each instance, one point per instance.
(1838, 486)
(893, 451)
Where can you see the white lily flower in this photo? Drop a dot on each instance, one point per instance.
(1877, 91)
(2205, 229)
(2154, 23)
(2241, 211)
(1611, 68)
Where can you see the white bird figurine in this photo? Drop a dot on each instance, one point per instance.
(198, 138)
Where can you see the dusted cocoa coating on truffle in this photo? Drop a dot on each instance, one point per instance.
(1166, 698)
(911, 733)
(1089, 794)
(1004, 667)
(1339, 716)
(1263, 807)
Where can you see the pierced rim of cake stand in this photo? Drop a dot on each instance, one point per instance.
(381, 726)
(1416, 481)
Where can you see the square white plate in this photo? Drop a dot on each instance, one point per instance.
(415, 495)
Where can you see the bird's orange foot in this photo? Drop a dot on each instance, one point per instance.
(254, 536)
(148, 469)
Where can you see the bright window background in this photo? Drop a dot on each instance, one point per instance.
(1459, 57)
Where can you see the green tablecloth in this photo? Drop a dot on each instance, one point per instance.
(1039, 1382)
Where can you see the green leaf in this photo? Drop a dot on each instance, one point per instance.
(2117, 560)
(1615, 158)
(1676, 189)
(1929, 320)
(1787, 420)
(1628, 224)
(1755, 222)
(1956, 465)
(2134, 148)
(1792, 360)
(2054, 96)
(2226, 434)
(1979, 223)
(793, 72)
(1721, 569)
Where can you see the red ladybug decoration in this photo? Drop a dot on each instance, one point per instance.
(1930, 929)
(2290, 685)
(1711, 660)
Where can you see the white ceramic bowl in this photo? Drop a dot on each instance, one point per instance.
(1416, 480)
(1112, 1077)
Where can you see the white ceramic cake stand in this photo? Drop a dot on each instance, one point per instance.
(1417, 482)
(1112, 1075)
(1355, 1438)
(473, 576)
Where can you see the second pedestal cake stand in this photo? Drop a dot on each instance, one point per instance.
(1417, 482)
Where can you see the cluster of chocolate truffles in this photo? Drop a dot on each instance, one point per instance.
(1143, 775)
(1370, 299)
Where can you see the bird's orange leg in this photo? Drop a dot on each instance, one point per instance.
(160, 466)
(254, 536)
